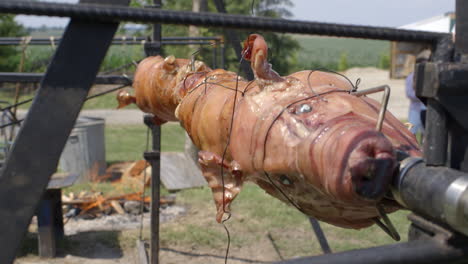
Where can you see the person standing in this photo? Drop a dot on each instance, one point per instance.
(416, 106)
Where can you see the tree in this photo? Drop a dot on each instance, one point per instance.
(283, 48)
(343, 62)
(9, 56)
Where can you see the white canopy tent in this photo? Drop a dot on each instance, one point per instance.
(442, 23)
(403, 54)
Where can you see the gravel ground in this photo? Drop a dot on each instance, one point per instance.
(371, 77)
(112, 116)
(117, 117)
(96, 241)
(117, 222)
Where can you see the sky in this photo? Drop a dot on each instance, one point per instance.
(386, 13)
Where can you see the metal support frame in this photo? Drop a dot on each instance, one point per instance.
(145, 15)
(154, 157)
(124, 40)
(384, 102)
(15, 77)
(50, 222)
(414, 252)
(36, 151)
(322, 239)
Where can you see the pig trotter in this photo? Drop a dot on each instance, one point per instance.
(225, 186)
(124, 98)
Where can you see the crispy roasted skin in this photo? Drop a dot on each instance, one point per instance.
(302, 138)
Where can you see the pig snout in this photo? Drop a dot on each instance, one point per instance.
(371, 165)
(356, 162)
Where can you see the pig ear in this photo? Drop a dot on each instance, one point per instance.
(256, 50)
(169, 63)
(223, 194)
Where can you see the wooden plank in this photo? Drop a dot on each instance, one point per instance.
(46, 227)
(179, 172)
(117, 207)
(61, 180)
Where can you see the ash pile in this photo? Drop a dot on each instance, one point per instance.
(112, 202)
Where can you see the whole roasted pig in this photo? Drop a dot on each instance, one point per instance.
(305, 138)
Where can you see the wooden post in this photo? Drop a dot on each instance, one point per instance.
(50, 223)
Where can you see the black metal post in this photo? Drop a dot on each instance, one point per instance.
(322, 239)
(223, 55)
(154, 157)
(461, 26)
(435, 134)
(427, 86)
(4, 41)
(15, 77)
(50, 222)
(215, 53)
(153, 48)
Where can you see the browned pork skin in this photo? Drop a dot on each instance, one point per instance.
(303, 138)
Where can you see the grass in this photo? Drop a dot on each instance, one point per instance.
(126, 143)
(254, 214)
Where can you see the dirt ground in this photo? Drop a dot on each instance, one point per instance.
(371, 77)
(111, 240)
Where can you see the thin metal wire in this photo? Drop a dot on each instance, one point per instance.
(17, 104)
(222, 161)
(108, 91)
(30, 99)
(11, 123)
(125, 66)
(283, 193)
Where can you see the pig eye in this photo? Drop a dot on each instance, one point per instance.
(303, 108)
(285, 180)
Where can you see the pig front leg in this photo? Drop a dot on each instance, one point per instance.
(223, 177)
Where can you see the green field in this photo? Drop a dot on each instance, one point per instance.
(326, 52)
(315, 52)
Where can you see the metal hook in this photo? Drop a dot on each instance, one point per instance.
(384, 102)
(387, 226)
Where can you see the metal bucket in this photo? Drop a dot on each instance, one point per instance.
(84, 152)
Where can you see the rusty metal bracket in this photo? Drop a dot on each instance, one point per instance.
(383, 102)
